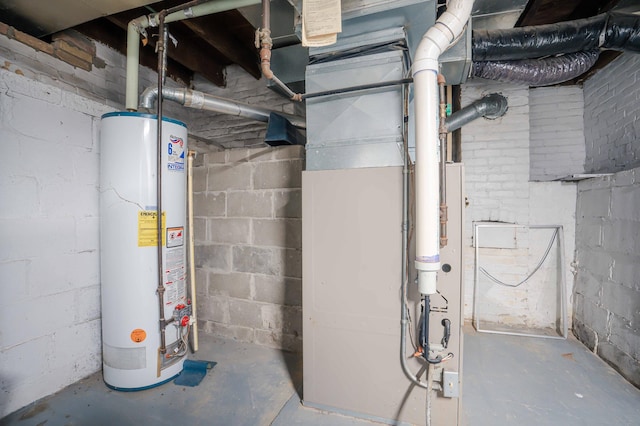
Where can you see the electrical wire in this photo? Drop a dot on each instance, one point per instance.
(544, 257)
(183, 338)
(405, 145)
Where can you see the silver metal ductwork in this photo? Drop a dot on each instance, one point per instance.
(199, 100)
(491, 106)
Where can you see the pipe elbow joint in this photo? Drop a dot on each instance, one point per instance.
(495, 106)
(140, 23)
(148, 97)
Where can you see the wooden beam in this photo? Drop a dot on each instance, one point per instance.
(106, 32)
(229, 33)
(540, 12)
(191, 55)
(211, 30)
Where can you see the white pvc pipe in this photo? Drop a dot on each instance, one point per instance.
(139, 24)
(425, 69)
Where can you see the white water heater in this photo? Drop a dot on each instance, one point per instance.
(131, 337)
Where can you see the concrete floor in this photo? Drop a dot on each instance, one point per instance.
(508, 380)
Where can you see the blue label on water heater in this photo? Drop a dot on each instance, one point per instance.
(175, 151)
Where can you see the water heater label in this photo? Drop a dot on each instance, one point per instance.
(175, 150)
(148, 228)
(175, 276)
(175, 237)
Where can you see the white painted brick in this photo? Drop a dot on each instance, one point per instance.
(611, 96)
(556, 117)
(497, 163)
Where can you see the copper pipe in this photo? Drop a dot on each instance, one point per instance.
(265, 43)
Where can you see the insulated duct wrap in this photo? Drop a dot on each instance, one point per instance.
(537, 72)
(616, 31)
(538, 41)
(623, 32)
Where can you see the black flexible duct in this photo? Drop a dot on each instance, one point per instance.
(537, 72)
(616, 31)
(623, 32)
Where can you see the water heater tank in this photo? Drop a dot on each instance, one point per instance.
(129, 249)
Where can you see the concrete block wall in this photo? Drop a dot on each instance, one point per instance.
(496, 154)
(607, 294)
(557, 137)
(231, 131)
(248, 232)
(612, 116)
(49, 227)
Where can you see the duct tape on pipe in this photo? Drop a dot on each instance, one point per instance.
(196, 100)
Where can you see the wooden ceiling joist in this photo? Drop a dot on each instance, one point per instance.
(188, 56)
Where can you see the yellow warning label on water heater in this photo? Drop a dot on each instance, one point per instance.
(148, 228)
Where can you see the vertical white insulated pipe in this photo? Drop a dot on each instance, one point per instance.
(425, 70)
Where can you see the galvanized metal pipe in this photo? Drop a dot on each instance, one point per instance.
(491, 106)
(138, 25)
(404, 317)
(162, 57)
(199, 100)
(265, 52)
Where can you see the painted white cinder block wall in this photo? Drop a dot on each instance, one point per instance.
(49, 214)
(607, 314)
(49, 258)
(497, 157)
(49, 217)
